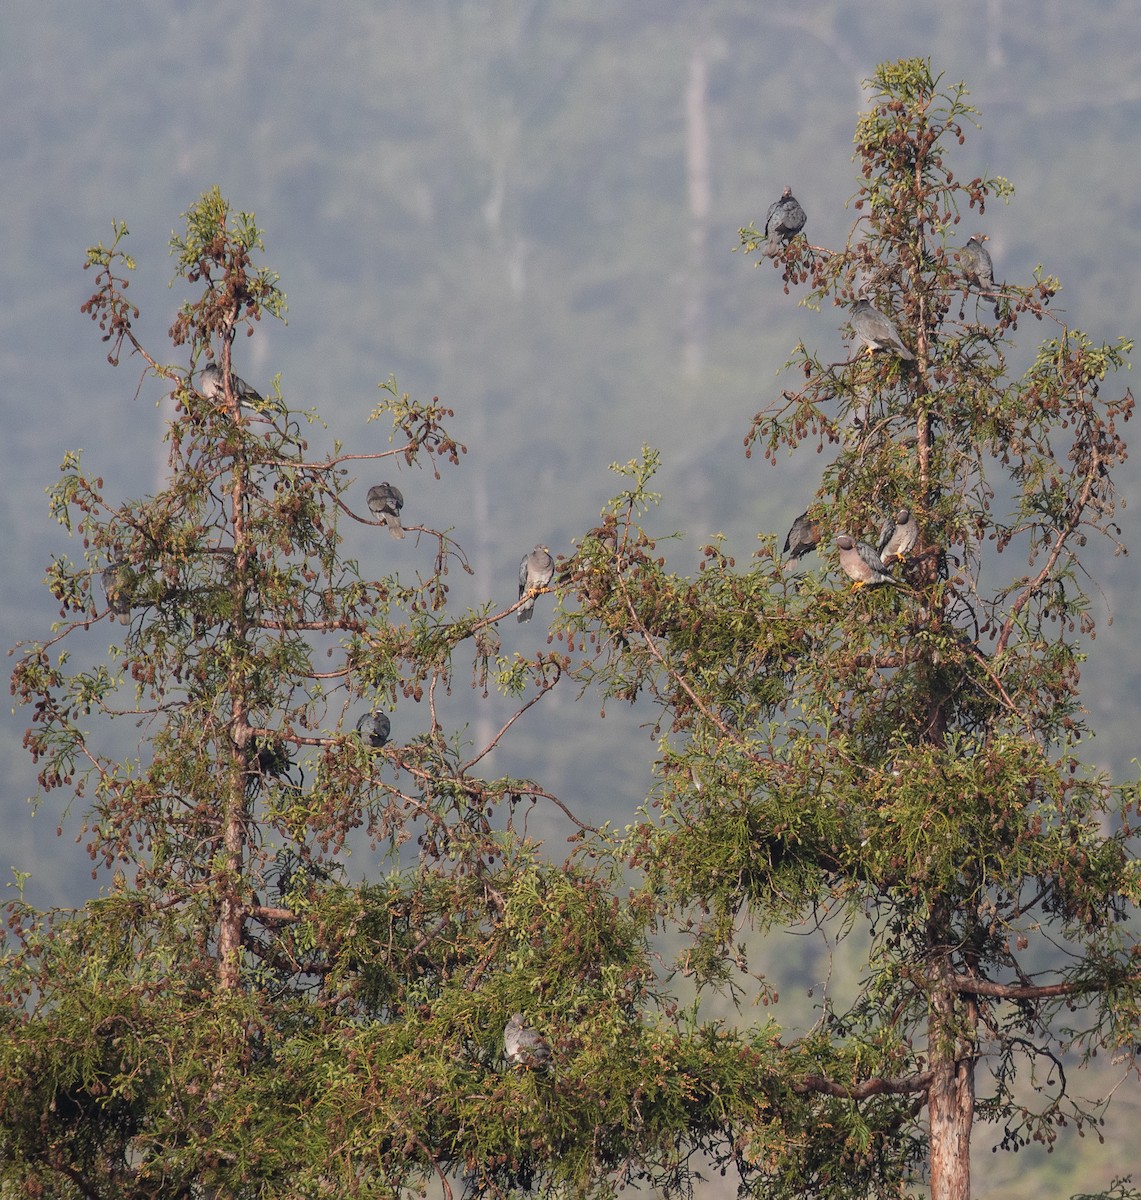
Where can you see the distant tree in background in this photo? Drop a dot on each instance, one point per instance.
(903, 757)
(234, 1017)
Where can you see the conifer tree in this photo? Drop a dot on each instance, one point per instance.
(235, 1016)
(901, 754)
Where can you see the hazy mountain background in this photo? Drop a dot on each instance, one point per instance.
(529, 209)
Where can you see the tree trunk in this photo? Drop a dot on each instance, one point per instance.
(951, 1107)
(951, 1096)
(234, 897)
(700, 193)
(231, 916)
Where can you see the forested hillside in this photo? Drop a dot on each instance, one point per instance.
(532, 211)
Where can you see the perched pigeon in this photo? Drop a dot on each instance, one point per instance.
(803, 537)
(861, 563)
(607, 535)
(375, 728)
(272, 758)
(975, 260)
(385, 501)
(268, 760)
(525, 1047)
(876, 331)
(116, 586)
(211, 386)
(784, 221)
(536, 570)
(898, 535)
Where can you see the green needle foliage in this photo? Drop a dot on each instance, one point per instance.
(903, 758)
(235, 1017)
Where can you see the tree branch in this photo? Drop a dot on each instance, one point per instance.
(968, 986)
(877, 1086)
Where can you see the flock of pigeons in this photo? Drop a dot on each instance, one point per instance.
(864, 564)
(536, 570)
(385, 502)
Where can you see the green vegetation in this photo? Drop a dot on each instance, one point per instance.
(235, 1016)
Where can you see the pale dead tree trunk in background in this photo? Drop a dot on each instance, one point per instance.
(697, 172)
(481, 550)
(478, 546)
(490, 118)
(995, 55)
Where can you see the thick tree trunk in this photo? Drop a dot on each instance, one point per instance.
(951, 1096)
(951, 1107)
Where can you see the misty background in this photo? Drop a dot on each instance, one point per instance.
(529, 209)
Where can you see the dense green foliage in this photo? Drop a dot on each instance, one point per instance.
(907, 755)
(236, 1017)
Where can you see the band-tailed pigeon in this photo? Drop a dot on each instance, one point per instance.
(876, 331)
(975, 260)
(525, 1047)
(803, 537)
(898, 535)
(269, 760)
(117, 588)
(385, 501)
(536, 570)
(272, 758)
(861, 563)
(784, 221)
(375, 728)
(211, 385)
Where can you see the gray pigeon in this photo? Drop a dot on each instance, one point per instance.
(385, 501)
(784, 221)
(861, 563)
(211, 386)
(375, 728)
(876, 331)
(975, 260)
(525, 1047)
(536, 570)
(898, 535)
(803, 537)
(116, 587)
